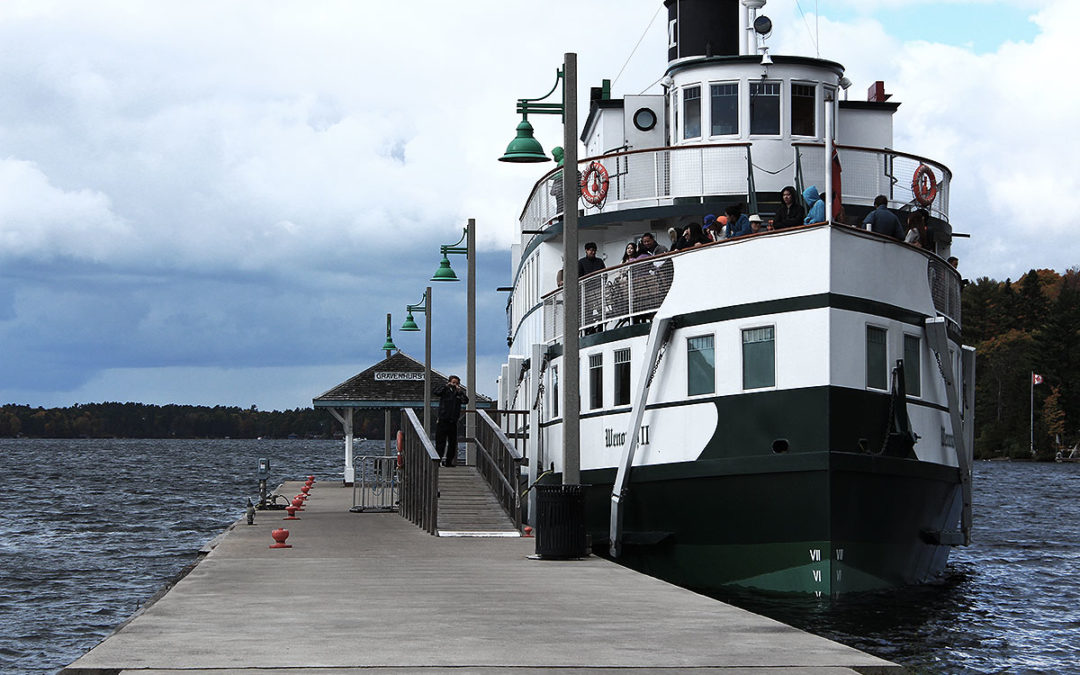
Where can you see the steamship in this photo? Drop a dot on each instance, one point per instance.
(789, 410)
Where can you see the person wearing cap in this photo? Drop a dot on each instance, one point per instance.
(590, 263)
(756, 224)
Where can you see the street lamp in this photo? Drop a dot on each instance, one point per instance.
(410, 326)
(389, 345)
(521, 150)
(446, 273)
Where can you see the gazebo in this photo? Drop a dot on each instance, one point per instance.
(395, 382)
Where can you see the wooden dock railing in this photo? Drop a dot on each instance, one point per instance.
(499, 459)
(419, 475)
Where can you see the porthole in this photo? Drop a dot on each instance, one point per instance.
(644, 119)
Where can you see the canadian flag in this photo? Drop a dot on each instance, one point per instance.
(1036, 378)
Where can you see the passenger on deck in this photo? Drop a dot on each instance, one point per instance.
(791, 211)
(883, 221)
(648, 246)
(590, 263)
(816, 204)
(631, 252)
(756, 225)
(916, 229)
(717, 228)
(693, 237)
(674, 235)
(738, 223)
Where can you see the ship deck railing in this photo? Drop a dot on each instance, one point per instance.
(724, 172)
(632, 292)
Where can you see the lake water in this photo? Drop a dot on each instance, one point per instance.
(91, 529)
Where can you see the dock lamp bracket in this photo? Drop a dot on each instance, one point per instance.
(525, 148)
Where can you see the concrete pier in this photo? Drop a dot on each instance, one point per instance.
(369, 592)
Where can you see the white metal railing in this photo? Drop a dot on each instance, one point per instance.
(869, 172)
(660, 176)
(654, 177)
(614, 295)
(944, 288)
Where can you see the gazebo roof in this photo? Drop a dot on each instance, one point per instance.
(394, 382)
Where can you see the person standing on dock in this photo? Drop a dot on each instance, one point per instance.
(451, 397)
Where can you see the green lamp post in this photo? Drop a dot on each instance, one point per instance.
(389, 345)
(520, 150)
(410, 326)
(446, 273)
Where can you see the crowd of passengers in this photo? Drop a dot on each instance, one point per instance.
(791, 212)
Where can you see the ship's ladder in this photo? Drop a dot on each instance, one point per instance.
(937, 339)
(659, 337)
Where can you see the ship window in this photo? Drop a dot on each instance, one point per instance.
(596, 381)
(912, 371)
(759, 358)
(725, 109)
(692, 112)
(700, 366)
(803, 107)
(765, 107)
(876, 358)
(554, 392)
(622, 376)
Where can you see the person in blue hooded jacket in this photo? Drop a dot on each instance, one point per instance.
(738, 223)
(816, 214)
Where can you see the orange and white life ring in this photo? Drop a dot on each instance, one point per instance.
(924, 185)
(400, 444)
(594, 183)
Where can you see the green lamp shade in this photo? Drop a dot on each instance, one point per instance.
(445, 272)
(524, 148)
(389, 345)
(409, 324)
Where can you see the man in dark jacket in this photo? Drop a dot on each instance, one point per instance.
(590, 263)
(884, 221)
(451, 397)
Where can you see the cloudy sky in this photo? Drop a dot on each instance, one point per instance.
(217, 202)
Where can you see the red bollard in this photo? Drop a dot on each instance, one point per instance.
(311, 478)
(280, 535)
(305, 489)
(528, 531)
(291, 510)
(298, 504)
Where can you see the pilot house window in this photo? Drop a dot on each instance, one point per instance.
(765, 107)
(725, 109)
(692, 112)
(802, 109)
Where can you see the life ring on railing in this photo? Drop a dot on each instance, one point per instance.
(400, 444)
(594, 183)
(924, 185)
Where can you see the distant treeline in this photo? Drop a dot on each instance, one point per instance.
(1030, 326)
(139, 420)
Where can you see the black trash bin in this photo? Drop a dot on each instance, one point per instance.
(560, 522)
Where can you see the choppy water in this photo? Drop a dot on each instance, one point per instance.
(91, 529)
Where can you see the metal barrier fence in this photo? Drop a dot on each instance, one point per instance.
(617, 294)
(419, 475)
(376, 487)
(499, 462)
(868, 172)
